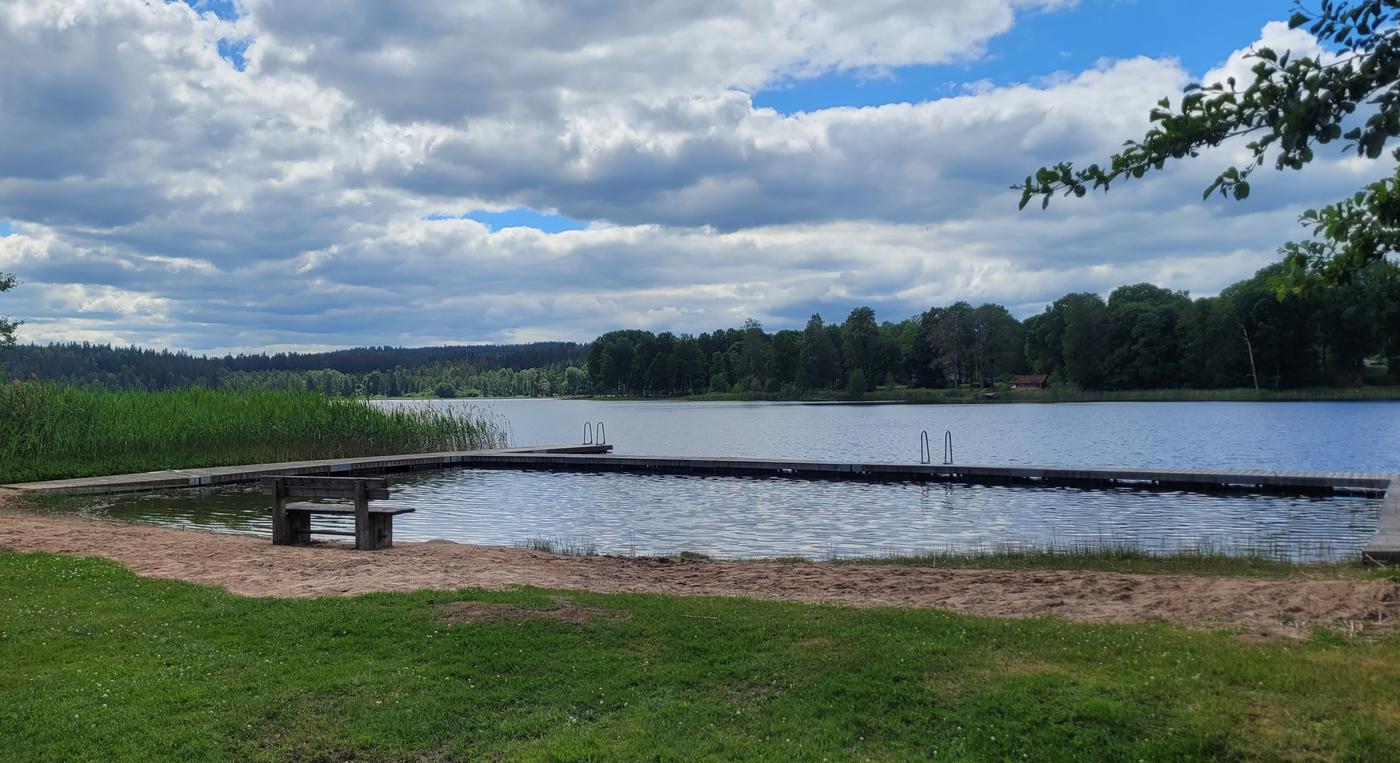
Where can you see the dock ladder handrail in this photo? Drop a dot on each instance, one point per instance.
(925, 452)
(602, 434)
(947, 447)
(587, 433)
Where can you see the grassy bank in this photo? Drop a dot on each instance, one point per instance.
(1093, 557)
(101, 665)
(48, 432)
(1063, 395)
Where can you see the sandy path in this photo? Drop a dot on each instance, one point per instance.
(254, 567)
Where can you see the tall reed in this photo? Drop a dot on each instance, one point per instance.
(48, 432)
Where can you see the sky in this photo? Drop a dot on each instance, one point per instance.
(247, 175)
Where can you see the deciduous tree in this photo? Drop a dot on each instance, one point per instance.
(1290, 106)
(7, 327)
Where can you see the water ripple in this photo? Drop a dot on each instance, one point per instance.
(750, 517)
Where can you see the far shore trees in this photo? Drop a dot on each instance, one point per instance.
(1141, 337)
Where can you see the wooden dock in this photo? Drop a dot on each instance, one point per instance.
(1385, 547)
(1189, 479)
(228, 475)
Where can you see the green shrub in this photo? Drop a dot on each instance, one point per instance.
(857, 388)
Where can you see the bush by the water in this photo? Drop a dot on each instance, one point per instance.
(48, 432)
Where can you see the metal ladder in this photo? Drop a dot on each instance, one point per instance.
(926, 450)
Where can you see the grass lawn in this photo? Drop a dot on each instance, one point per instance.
(102, 665)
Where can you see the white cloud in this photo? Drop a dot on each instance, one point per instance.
(164, 197)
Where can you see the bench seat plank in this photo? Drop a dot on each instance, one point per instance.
(373, 494)
(298, 482)
(345, 509)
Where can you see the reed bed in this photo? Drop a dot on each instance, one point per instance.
(48, 432)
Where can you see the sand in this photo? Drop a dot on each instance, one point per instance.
(1276, 608)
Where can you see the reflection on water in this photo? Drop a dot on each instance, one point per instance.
(744, 517)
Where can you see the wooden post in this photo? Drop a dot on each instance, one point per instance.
(299, 525)
(364, 534)
(382, 530)
(281, 529)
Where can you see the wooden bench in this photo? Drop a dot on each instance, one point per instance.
(291, 522)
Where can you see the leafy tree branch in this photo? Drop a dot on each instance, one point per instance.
(1292, 105)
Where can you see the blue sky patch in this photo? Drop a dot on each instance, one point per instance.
(520, 217)
(232, 50)
(6, 228)
(1201, 33)
(224, 9)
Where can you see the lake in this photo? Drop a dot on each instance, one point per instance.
(744, 517)
(1334, 436)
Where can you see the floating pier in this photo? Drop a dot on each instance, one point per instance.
(229, 475)
(1190, 479)
(1385, 547)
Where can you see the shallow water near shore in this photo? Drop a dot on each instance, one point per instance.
(735, 517)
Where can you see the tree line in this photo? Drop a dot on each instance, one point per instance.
(544, 369)
(1141, 337)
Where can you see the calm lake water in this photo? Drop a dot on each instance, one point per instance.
(741, 517)
(1344, 436)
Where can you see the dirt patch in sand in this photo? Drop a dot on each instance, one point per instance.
(489, 612)
(251, 566)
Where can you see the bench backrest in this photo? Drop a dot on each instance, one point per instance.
(376, 488)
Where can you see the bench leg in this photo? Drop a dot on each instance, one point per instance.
(381, 531)
(299, 526)
(281, 522)
(364, 536)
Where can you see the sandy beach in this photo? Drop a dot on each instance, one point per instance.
(252, 566)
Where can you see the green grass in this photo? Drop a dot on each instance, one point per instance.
(101, 665)
(48, 432)
(560, 546)
(1125, 557)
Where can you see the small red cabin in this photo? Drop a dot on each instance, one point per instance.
(1030, 381)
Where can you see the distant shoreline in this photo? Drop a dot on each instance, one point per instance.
(907, 396)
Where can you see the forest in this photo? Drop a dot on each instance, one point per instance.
(1141, 337)
(543, 369)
